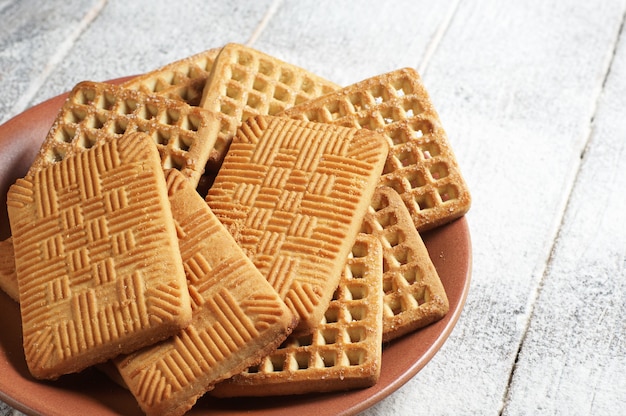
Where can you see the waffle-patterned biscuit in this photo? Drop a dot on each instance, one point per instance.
(343, 352)
(293, 194)
(8, 278)
(245, 82)
(414, 294)
(421, 164)
(96, 112)
(97, 259)
(181, 80)
(237, 316)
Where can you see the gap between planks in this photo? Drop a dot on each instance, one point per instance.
(619, 37)
(271, 11)
(431, 48)
(435, 41)
(62, 50)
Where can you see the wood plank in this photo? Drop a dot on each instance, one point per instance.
(516, 86)
(347, 42)
(573, 359)
(31, 41)
(134, 37)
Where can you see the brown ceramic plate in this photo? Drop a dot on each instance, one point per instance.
(92, 393)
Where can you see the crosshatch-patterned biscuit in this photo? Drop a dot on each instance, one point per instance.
(237, 316)
(8, 278)
(181, 80)
(97, 259)
(343, 352)
(293, 194)
(414, 294)
(96, 112)
(245, 82)
(421, 165)
(8, 284)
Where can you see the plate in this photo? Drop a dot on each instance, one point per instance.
(90, 392)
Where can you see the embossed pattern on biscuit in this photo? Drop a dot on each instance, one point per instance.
(181, 80)
(421, 165)
(97, 260)
(343, 352)
(246, 82)
(97, 112)
(293, 194)
(237, 315)
(414, 294)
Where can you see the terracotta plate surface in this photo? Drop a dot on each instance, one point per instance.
(92, 393)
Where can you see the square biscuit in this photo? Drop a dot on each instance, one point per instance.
(245, 82)
(421, 165)
(414, 295)
(182, 80)
(293, 194)
(343, 352)
(97, 260)
(96, 112)
(237, 316)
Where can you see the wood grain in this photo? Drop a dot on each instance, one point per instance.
(531, 94)
(573, 357)
(346, 42)
(516, 86)
(33, 39)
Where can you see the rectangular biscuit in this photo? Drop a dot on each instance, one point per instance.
(421, 165)
(343, 352)
(8, 284)
(245, 82)
(293, 194)
(96, 112)
(237, 316)
(97, 261)
(182, 80)
(414, 295)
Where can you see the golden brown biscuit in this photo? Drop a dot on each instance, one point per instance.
(245, 82)
(181, 80)
(96, 256)
(343, 352)
(414, 295)
(421, 165)
(293, 194)
(96, 112)
(237, 316)
(8, 284)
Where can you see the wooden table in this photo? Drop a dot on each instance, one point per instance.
(533, 97)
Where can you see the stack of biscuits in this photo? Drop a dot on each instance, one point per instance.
(231, 223)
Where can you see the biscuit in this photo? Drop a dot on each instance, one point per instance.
(414, 295)
(96, 112)
(8, 278)
(245, 82)
(344, 350)
(180, 80)
(237, 316)
(293, 194)
(421, 165)
(98, 266)
(8, 284)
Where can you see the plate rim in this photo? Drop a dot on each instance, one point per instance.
(445, 326)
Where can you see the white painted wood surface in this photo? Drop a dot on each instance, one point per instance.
(533, 96)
